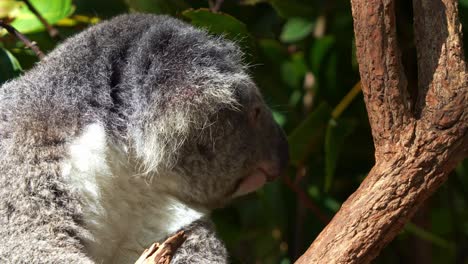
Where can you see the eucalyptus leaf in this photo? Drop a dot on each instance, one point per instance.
(296, 29)
(319, 51)
(273, 50)
(52, 10)
(8, 8)
(336, 133)
(9, 65)
(307, 134)
(293, 71)
(292, 8)
(251, 2)
(157, 6)
(279, 118)
(102, 8)
(218, 23)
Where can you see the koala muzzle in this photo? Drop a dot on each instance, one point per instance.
(267, 170)
(275, 168)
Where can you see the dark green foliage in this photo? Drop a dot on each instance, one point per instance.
(301, 55)
(9, 65)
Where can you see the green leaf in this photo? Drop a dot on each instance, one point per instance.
(337, 131)
(319, 50)
(307, 135)
(221, 23)
(102, 8)
(296, 29)
(295, 98)
(464, 3)
(227, 224)
(273, 204)
(273, 50)
(157, 6)
(52, 10)
(251, 2)
(323, 60)
(292, 8)
(9, 65)
(218, 23)
(428, 236)
(314, 192)
(331, 204)
(279, 118)
(293, 71)
(8, 7)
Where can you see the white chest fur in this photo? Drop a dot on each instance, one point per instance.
(123, 212)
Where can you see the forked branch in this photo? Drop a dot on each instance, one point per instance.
(416, 146)
(22, 38)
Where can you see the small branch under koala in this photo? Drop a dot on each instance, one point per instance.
(162, 253)
(30, 44)
(53, 32)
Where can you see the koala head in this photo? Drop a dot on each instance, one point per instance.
(198, 125)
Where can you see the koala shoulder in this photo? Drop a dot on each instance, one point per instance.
(202, 245)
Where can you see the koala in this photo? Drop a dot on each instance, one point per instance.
(126, 133)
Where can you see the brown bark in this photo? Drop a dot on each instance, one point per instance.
(28, 43)
(417, 144)
(162, 253)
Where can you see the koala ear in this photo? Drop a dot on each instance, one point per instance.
(181, 77)
(183, 112)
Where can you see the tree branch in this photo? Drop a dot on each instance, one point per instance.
(53, 32)
(23, 38)
(441, 64)
(162, 253)
(384, 84)
(414, 154)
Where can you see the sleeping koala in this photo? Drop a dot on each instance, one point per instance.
(125, 134)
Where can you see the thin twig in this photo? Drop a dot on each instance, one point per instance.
(30, 44)
(346, 101)
(53, 32)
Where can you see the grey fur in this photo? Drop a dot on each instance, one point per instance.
(200, 239)
(178, 100)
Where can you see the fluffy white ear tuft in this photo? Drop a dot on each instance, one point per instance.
(184, 115)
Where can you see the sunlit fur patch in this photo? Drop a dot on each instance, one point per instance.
(123, 213)
(158, 145)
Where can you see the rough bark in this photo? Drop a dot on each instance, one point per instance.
(162, 253)
(417, 144)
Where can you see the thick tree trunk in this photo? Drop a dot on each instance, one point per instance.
(418, 141)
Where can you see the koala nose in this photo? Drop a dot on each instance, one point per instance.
(273, 168)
